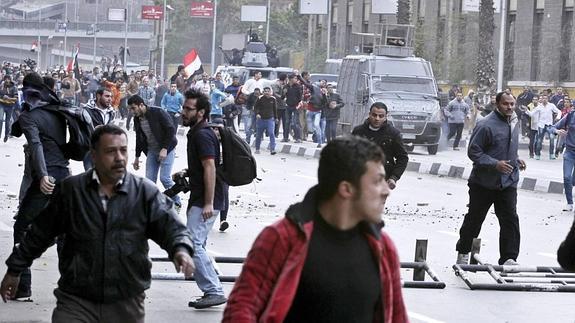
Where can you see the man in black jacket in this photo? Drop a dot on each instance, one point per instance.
(45, 133)
(107, 215)
(101, 113)
(156, 138)
(493, 181)
(294, 93)
(332, 104)
(377, 129)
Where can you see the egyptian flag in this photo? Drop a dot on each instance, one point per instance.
(34, 46)
(193, 64)
(73, 64)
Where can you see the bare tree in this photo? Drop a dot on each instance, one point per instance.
(485, 71)
(403, 12)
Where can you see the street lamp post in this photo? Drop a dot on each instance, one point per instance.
(501, 56)
(328, 29)
(163, 41)
(95, 28)
(268, 21)
(65, 31)
(214, 37)
(126, 38)
(39, 46)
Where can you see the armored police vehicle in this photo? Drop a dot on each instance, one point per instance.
(392, 75)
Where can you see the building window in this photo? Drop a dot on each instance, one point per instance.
(569, 3)
(540, 4)
(334, 13)
(512, 5)
(421, 8)
(366, 11)
(442, 8)
(349, 12)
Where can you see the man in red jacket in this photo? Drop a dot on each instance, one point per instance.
(328, 260)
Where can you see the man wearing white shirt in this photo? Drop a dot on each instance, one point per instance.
(254, 83)
(203, 85)
(544, 114)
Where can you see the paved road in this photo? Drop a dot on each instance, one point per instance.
(422, 207)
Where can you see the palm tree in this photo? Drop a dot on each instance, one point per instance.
(403, 12)
(485, 71)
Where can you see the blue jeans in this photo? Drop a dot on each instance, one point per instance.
(165, 169)
(541, 136)
(261, 126)
(314, 122)
(247, 121)
(322, 124)
(6, 119)
(292, 119)
(568, 179)
(205, 274)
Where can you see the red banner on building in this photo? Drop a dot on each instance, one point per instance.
(152, 12)
(202, 10)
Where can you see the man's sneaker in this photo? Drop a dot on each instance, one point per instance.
(257, 151)
(510, 262)
(273, 152)
(224, 225)
(462, 259)
(208, 301)
(285, 140)
(568, 208)
(456, 148)
(23, 296)
(298, 141)
(537, 157)
(318, 145)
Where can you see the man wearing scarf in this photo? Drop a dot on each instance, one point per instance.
(45, 133)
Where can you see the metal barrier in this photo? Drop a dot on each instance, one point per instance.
(419, 266)
(515, 277)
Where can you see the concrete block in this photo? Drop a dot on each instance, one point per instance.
(301, 151)
(555, 187)
(528, 184)
(456, 171)
(435, 168)
(317, 154)
(285, 149)
(413, 166)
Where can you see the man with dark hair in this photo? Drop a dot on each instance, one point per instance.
(172, 103)
(101, 113)
(493, 181)
(279, 91)
(178, 78)
(266, 118)
(45, 133)
(8, 101)
(156, 138)
(336, 226)
(331, 111)
(104, 264)
(207, 197)
(457, 111)
(377, 129)
(294, 93)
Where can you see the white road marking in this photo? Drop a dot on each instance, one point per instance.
(5, 227)
(450, 233)
(306, 177)
(215, 253)
(422, 318)
(254, 194)
(546, 254)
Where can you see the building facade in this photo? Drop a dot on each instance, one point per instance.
(539, 49)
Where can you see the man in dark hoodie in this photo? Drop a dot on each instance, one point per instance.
(493, 149)
(377, 129)
(45, 133)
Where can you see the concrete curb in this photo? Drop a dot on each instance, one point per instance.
(439, 169)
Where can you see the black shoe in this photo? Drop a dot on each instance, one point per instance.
(285, 140)
(273, 152)
(224, 225)
(23, 295)
(5, 138)
(208, 301)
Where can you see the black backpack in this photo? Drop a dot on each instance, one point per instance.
(239, 165)
(80, 129)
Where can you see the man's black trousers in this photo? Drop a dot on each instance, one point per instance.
(505, 202)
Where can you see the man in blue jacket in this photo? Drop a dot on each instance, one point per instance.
(493, 180)
(156, 138)
(172, 102)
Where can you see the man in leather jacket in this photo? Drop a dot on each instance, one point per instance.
(377, 129)
(107, 216)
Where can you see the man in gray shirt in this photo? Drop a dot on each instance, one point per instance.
(456, 112)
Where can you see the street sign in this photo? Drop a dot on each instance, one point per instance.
(473, 5)
(313, 7)
(384, 7)
(152, 12)
(116, 14)
(254, 13)
(61, 27)
(202, 10)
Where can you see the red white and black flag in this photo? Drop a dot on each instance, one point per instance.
(73, 64)
(193, 64)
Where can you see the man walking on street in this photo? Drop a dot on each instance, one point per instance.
(147, 92)
(317, 264)
(104, 264)
(333, 103)
(172, 102)
(45, 133)
(156, 138)
(544, 114)
(266, 118)
(566, 127)
(101, 113)
(377, 129)
(294, 93)
(206, 194)
(493, 180)
(456, 111)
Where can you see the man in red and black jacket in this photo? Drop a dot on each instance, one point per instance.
(337, 226)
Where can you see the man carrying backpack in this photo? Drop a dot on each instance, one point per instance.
(45, 132)
(156, 138)
(101, 113)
